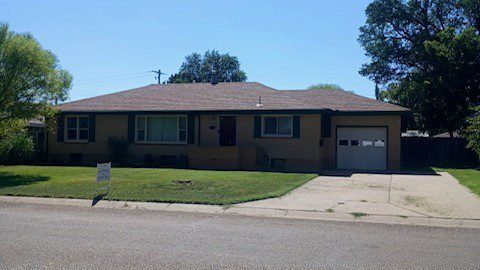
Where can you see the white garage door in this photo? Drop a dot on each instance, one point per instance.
(362, 148)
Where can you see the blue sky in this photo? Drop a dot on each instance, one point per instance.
(110, 46)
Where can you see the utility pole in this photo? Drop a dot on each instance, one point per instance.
(159, 73)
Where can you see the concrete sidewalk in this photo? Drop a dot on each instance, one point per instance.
(250, 211)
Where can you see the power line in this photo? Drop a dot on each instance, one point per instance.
(120, 77)
(114, 79)
(113, 76)
(82, 92)
(159, 74)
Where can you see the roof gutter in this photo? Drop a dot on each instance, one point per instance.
(288, 111)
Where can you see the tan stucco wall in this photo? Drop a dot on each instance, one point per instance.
(300, 154)
(393, 122)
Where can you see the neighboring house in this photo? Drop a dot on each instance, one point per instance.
(415, 133)
(239, 126)
(447, 135)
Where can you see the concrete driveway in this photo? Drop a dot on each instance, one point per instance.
(404, 195)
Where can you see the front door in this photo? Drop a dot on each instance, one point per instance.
(228, 131)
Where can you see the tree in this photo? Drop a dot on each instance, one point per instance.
(16, 144)
(425, 55)
(472, 132)
(198, 68)
(324, 86)
(17, 148)
(30, 79)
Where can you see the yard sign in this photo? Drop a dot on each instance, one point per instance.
(103, 175)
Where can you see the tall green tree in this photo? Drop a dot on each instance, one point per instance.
(198, 68)
(472, 132)
(425, 55)
(30, 78)
(324, 86)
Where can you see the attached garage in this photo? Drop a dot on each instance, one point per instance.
(362, 148)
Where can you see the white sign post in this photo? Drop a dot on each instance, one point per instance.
(103, 176)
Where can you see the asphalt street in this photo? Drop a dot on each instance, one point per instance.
(67, 237)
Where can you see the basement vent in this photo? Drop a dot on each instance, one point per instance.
(75, 158)
(277, 163)
(168, 161)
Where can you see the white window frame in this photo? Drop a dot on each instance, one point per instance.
(159, 142)
(277, 135)
(77, 116)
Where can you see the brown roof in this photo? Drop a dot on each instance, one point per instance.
(233, 96)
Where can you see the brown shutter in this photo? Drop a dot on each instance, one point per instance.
(131, 128)
(296, 126)
(257, 127)
(60, 128)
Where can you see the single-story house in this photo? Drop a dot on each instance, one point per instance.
(234, 126)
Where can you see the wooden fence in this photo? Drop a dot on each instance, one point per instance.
(450, 152)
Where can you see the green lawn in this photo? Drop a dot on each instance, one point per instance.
(467, 177)
(153, 185)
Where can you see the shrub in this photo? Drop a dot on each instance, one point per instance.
(18, 148)
(118, 147)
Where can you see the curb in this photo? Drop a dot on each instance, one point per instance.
(250, 211)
